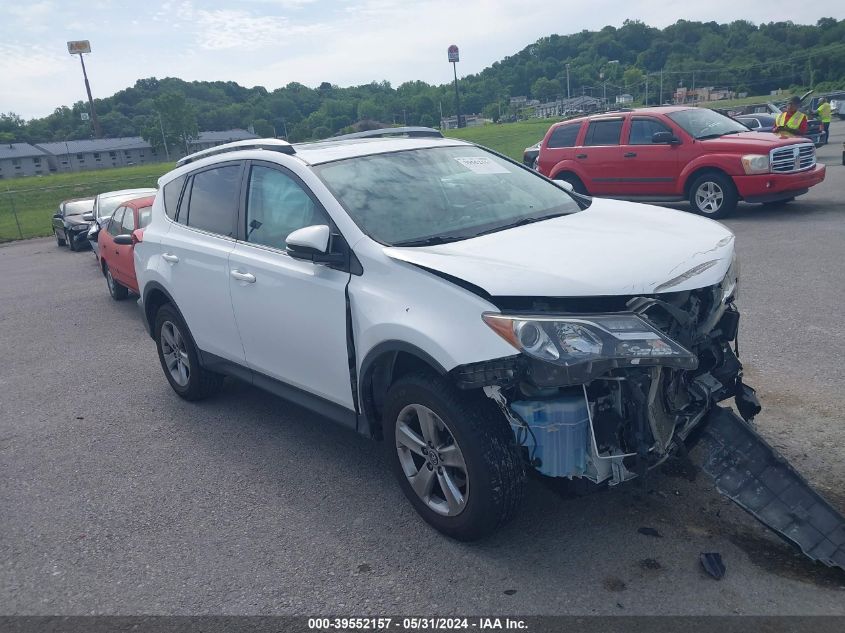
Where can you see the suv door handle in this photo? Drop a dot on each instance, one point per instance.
(630, 154)
(169, 257)
(580, 156)
(247, 277)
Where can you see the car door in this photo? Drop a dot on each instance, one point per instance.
(124, 253)
(105, 240)
(291, 313)
(650, 169)
(600, 157)
(195, 258)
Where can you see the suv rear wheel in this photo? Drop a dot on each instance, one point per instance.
(179, 358)
(454, 456)
(713, 195)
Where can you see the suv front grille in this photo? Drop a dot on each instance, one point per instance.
(792, 158)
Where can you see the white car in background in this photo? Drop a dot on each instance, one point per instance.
(466, 310)
(104, 205)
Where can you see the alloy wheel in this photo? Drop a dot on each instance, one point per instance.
(709, 197)
(432, 460)
(175, 353)
(110, 281)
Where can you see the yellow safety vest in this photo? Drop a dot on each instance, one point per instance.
(824, 112)
(793, 125)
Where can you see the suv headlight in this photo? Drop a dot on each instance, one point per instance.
(755, 164)
(590, 345)
(80, 227)
(730, 284)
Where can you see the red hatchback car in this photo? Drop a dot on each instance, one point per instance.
(117, 245)
(678, 153)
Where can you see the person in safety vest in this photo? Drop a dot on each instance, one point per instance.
(824, 114)
(793, 121)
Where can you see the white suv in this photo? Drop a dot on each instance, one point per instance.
(479, 318)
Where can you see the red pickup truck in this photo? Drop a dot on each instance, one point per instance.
(678, 153)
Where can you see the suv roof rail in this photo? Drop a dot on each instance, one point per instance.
(411, 132)
(271, 144)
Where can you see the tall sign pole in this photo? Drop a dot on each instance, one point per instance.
(454, 57)
(78, 48)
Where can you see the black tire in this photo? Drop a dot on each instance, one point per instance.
(59, 240)
(70, 243)
(495, 473)
(575, 181)
(724, 196)
(118, 291)
(201, 383)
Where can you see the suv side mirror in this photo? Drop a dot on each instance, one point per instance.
(565, 184)
(88, 217)
(312, 243)
(137, 236)
(665, 138)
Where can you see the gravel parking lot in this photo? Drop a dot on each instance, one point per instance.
(120, 498)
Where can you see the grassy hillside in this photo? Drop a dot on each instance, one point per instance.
(34, 199)
(508, 138)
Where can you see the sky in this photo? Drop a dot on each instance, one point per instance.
(274, 42)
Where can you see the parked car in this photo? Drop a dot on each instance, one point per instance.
(474, 315)
(69, 227)
(529, 156)
(104, 206)
(117, 240)
(757, 122)
(678, 153)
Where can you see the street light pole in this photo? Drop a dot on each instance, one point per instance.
(163, 139)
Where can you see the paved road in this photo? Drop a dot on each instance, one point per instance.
(118, 497)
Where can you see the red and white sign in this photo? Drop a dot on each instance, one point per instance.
(79, 46)
(453, 53)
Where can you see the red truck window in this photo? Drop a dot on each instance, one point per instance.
(564, 136)
(604, 132)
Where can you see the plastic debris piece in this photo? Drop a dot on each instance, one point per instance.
(713, 564)
(751, 473)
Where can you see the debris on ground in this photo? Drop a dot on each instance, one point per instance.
(713, 564)
(649, 531)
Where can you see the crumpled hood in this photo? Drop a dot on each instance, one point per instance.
(612, 248)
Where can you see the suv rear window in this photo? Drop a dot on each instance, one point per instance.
(172, 190)
(604, 132)
(564, 136)
(213, 203)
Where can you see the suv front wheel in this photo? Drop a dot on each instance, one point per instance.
(179, 357)
(713, 195)
(454, 456)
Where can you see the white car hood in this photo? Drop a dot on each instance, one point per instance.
(611, 248)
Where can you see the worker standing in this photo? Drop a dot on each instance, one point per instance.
(792, 121)
(824, 114)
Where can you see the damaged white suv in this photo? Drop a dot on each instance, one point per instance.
(477, 317)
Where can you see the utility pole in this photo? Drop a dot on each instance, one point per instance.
(694, 98)
(646, 89)
(568, 95)
(454, 57)
(163, 139)
(661, 87)
(78, 48)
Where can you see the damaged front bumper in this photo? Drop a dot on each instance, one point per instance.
(614, 419)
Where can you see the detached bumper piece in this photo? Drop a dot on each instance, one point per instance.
(751, 473)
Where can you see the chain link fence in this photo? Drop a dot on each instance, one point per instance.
(27, 211)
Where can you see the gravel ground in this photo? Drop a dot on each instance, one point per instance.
(119, 498)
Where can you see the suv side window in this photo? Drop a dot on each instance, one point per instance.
(276, 206)
(128, 222)
(116, 220)
(213, 202)
(172, 191)
(604, 132)
(643, 129)
(564, 136)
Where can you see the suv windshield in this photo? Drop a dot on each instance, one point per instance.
(704, 123)
(443, 194)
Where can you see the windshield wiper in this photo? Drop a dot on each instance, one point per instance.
(717, 135)
(521, 222)
(431, 241)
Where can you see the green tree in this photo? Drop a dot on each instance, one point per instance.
(174, 123)
(263, 128)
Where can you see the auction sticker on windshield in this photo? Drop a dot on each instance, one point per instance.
(482, 165)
